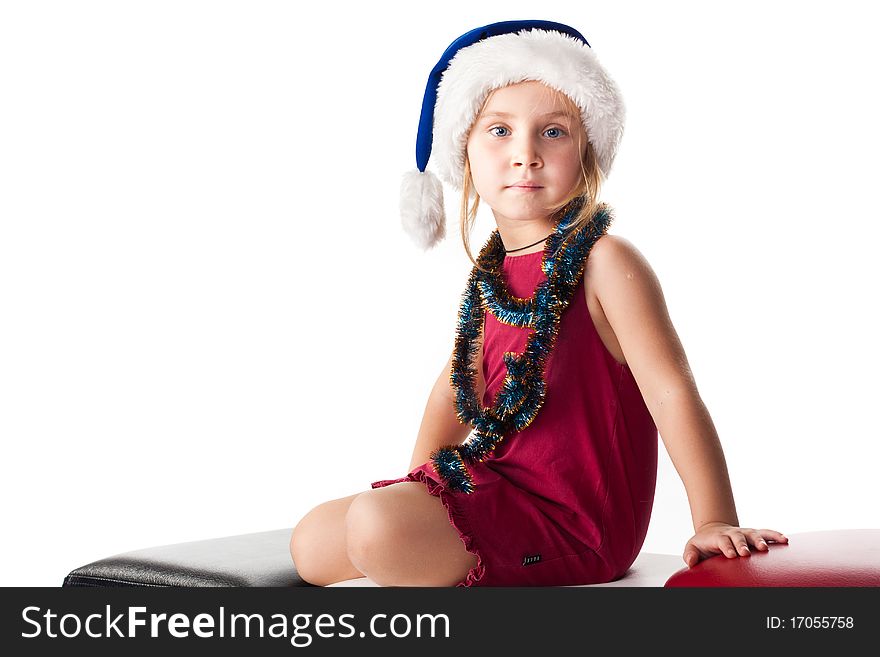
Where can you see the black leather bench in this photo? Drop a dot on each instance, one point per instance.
(261, 559)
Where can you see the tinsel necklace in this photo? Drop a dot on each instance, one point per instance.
(522, 392)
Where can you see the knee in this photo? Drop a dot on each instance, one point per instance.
(297, 541)
(370, 534)
(305, 550)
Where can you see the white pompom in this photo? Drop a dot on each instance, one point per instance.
(421, 208)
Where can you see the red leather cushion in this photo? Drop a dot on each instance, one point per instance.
(839, 557)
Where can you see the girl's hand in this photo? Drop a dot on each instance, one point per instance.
(720, 538)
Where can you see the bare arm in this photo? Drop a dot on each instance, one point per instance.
(633, 302)
(440, 424)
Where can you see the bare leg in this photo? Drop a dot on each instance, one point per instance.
(318, 545)
(400, 535)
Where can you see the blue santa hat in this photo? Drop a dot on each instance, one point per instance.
(476, 63)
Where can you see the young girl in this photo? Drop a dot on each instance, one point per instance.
(565, 362)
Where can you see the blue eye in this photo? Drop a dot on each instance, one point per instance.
(500, 127)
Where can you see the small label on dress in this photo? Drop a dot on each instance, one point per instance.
(534, 558)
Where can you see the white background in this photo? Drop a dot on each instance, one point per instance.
(212, 320)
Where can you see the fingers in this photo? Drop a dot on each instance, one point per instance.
(740, 539)
(759, 537)
(754, 537)
(733, 545)
(692, 555)
(730, 545)
(773, 535)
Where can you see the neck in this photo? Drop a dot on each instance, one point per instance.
(515, 235)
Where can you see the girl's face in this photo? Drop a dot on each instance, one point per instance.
(523, 151)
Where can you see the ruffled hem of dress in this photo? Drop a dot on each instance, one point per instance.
(457, 518)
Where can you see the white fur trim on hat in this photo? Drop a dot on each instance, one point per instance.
(558, 60)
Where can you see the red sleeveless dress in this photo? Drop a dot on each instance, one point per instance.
(567, 500)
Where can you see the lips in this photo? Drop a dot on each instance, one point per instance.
(526, 185)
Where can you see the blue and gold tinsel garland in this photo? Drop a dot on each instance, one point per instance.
(522, 392)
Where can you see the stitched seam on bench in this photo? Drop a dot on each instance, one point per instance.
(118, 581)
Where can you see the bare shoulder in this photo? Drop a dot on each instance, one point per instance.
(615, 254)
(615, 263)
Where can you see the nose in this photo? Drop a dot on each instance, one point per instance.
(525, 154)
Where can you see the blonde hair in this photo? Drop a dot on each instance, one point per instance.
(588, 187)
